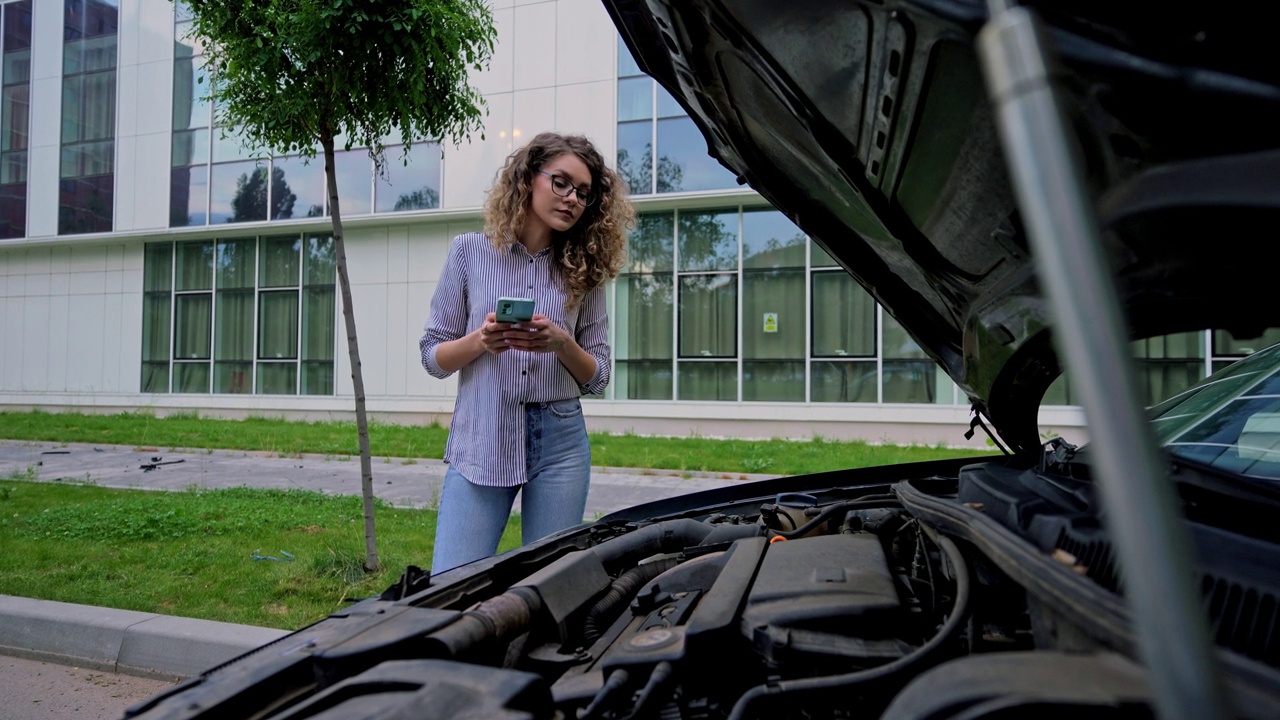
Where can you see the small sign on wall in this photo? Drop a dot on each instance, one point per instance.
(771, 322)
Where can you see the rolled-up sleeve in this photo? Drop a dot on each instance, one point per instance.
(449, 312)
(593, 336)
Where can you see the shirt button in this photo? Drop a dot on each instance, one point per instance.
(530, 261)
(524, 372)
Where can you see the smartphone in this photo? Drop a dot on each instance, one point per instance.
(512, 310)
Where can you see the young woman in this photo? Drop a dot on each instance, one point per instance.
(555, 231)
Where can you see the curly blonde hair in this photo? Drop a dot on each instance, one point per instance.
(590, 253)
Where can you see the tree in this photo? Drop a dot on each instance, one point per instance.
(293, 73)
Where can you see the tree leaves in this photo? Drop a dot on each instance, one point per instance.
(290, 70)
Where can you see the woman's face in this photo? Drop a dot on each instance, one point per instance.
(556, 187)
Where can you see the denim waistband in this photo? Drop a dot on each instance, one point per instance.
(531, 405)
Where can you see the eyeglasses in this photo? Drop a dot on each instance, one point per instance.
(562, 187)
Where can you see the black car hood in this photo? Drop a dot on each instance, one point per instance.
(868, 124)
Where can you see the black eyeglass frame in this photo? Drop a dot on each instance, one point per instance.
(585, 199)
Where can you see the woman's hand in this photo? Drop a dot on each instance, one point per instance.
(493, 335)
(539, 335)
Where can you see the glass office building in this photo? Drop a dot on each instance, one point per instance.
(149, 260)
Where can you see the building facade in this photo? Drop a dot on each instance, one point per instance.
(147, 260)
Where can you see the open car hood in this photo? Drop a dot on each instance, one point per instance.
(868, 124)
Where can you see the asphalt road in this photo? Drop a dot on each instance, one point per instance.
(34, 690)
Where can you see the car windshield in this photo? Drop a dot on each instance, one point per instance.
(1230, 421)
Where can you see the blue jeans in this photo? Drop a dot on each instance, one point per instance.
(558, 460)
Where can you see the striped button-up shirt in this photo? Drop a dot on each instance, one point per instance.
(487, 434)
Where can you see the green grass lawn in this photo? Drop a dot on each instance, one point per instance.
(192, 553)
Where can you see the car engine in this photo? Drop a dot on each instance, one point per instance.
(966, 590)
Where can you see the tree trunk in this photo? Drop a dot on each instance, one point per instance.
(371, 562)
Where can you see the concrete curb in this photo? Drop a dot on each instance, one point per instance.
(122, 641)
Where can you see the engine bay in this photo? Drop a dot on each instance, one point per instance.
(984, 592)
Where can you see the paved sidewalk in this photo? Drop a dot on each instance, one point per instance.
(170, 647)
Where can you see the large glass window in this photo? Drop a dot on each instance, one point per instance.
(843, 344)
(649, 118)
(87, 168)
(707, 312)
(240, 316)
(773, 307)
(645, 326)
(15, 116)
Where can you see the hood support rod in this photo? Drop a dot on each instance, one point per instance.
(1140, 510)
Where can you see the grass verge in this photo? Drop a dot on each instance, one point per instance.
(193, 553)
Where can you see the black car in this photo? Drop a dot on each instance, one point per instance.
(964, 165)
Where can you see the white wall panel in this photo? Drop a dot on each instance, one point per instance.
(155, 30)
(532, 112)
(469, 169)
(398, 343)
(59, 344)
(127, 92)
(59, 270)
(398, 254)
(498, 78)
(42, 188)
(588, 109)
(11, 325)
(111, 344)
(38, 285)
(86, 329)
(115, 257)
(127, 32)
(38, 260)
(86, 258)
(367, 256)
(586, 42)
(420, 384)
(35, 347)
(149, 193)
(534, 45)
(89, 283)
(427, 249)
(126, 180)
(129, 378)
(155, 101)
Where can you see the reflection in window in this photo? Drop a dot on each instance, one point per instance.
(644, 336)
(708, 316)
(635, 156)
(907, 373)
(1169, 364)
(157, 289)
(354, 174)
(683, 162)
(773, 332)
(649, 117)
(297, 188)
(841, 381)
(708, 241)
(249, 315)
(844, 317)
(238, 192)
(86, 193)
(409, 183)
(771, 240)
(643, 344)
(15, 116)
(708, 381)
